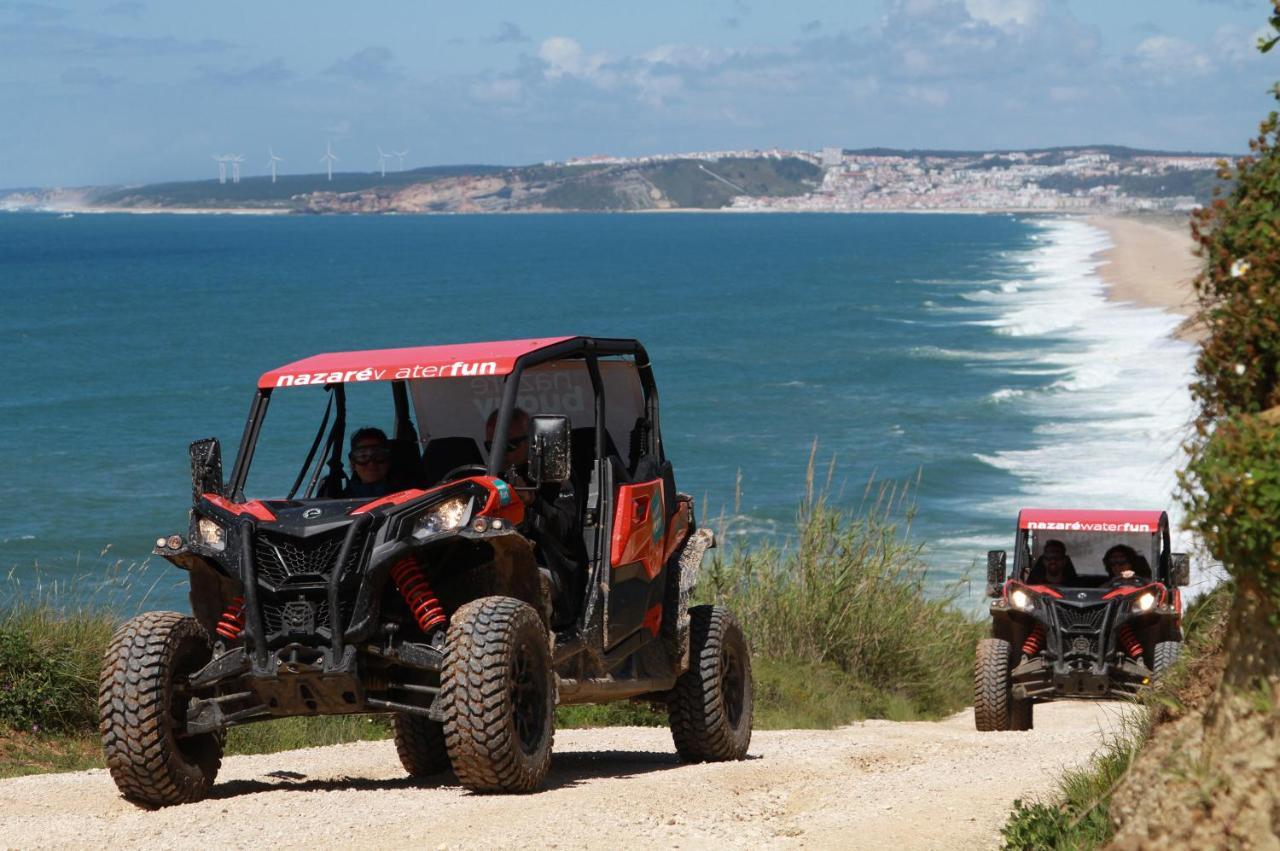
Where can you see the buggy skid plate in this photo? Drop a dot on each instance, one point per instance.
(1040, 678)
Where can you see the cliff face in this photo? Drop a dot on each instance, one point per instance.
(605, 189)
(466, 194)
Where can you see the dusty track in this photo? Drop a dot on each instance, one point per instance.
(873, 785)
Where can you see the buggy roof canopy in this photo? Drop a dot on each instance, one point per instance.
(456, 360)
(1075, 520)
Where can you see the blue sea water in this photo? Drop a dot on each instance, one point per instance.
(977, 352)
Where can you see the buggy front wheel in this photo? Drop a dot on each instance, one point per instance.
(498, 696)
(993, 704)
(143, 696)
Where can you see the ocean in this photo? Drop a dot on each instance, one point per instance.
(975, 352)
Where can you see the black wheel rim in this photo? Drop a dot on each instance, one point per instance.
(528, 700)
(733, 680)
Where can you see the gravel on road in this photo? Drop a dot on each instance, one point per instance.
(875, 784)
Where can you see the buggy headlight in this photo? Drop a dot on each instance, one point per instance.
(1144, 602)
(445, 517)
(1020, 599)
(211, 534)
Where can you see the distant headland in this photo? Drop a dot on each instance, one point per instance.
(1084, 179)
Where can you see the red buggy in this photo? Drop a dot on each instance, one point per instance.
(452, 602)
(1065, 625)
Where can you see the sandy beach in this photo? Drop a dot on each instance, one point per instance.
(1151, 264)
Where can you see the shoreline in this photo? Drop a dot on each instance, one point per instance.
(1150, 264)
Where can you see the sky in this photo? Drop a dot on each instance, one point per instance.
(130, 91)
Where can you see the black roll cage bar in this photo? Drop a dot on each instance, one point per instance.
(590, 349)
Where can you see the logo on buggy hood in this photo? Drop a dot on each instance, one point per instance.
(312, 513)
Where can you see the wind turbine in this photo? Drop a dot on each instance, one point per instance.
(222, 167)
(382, 160)
(329, 158)
(235, 159)
(272, 162)
(400, 157)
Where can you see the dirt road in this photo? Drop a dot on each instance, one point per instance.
(877, 784)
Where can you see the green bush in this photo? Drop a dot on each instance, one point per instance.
(49, 665)
(1082, 819)
(849, 592)
(1232, 486)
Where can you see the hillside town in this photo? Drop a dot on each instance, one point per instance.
(1064, 180)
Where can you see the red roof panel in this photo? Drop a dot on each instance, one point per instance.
(1089, 520)
(448, 361)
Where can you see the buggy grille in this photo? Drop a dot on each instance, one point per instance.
(1089, 618)
(281, 558)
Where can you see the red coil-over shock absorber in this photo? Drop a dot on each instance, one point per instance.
(415, 589)
(1130, 642)
(1034, 642)
(231, 624)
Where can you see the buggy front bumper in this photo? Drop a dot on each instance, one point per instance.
(1041, 679)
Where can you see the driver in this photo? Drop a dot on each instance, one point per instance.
(1121, 563)
(370, 459)
(1054, 566)
(549, 520)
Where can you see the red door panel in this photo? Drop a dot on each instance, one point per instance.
(639, 529)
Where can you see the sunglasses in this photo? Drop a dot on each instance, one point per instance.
(370, 454)
(1123, 562)
(513, 443)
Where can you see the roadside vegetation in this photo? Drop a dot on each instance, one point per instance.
(841, 618)
(1203, 768)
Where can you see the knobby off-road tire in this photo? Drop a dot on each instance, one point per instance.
(992, 691)
(711, 706)
(1163, 655)
(498, 696)
(420, 744)
(1021, 714)
(142, 704)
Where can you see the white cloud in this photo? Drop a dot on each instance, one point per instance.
(1237, 45)
(1005, 14)
(566, 58)
(1171, 56)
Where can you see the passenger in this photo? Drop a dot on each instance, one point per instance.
(1054, 566)
(370, 459)
(1121, 562)
(550, 518)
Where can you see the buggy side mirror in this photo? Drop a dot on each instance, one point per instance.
(1180, 569)
(996, 561)
(549, 438)
(206, 467)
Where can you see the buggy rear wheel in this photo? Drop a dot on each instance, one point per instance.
(143, 698)
(992, 689)
(498, 696)
(711, 706)
(420, 745)
(1163, 655)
